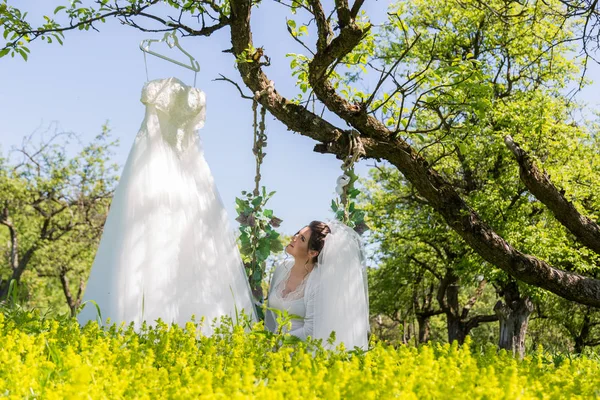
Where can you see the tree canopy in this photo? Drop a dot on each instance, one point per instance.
(470, 96)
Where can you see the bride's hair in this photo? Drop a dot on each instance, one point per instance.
(318, 231)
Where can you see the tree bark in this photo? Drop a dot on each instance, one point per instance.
(405, 332)
(582, 338)
(72, 302)
(538, 182)
(424, 328)
(456, 328)
(14, 251)
(16, 273)
(14, 242)
(513, 314)
(458, 323)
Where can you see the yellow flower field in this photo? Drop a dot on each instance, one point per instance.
(56, 359)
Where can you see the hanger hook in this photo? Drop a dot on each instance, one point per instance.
(170, 39)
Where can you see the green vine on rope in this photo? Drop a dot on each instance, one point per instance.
(344, 206)
(257, 223)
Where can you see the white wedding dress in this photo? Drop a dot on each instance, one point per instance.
(167, 250)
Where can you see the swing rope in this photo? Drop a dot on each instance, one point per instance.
(345, 209)
(258, 237)
(260, 141)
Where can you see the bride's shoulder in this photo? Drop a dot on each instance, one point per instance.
(288, 263)
(282, 266)
(315, 277)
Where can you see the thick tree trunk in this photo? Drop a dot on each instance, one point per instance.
(456, 327)
(16, 273)
(405, 332)
(424, 328)
(14, 252)
(459, 326)
(579, 345)
(72, 301)
(580, 340)
(3, 289)
(5, 285)
(514, 319)
(14, 241)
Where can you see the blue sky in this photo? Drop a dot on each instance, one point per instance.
(97, 77)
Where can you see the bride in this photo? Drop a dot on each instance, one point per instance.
(325, 284)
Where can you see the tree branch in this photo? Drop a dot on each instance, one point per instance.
(478, 320)
(449, 279)
(356, 8)
(343, 13)
(429, 313)
(473, 299)
(66, 290)
(539, 184)
(426, 267)
(224, 78)
(14, 243)
(126, 13)
(323, 27)
(294, 116)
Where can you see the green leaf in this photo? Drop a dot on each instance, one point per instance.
(240, 203)
(353, 193)
(57, 9)
(290, 339)
(334, 206)
(257, 201)
(276, 246)
(264, 250)
(244, 238)
(22, 53)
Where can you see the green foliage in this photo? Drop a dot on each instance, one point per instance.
(54, 208)
(299, 67)
(258, 237)
(345, 207)
(465, 79)
(18, 31)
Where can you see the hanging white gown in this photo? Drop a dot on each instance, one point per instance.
(167, 250)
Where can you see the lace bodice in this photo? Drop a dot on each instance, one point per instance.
(179, 109)
(296, 294)
(299, 302)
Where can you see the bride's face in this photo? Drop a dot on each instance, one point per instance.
(298, 246)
